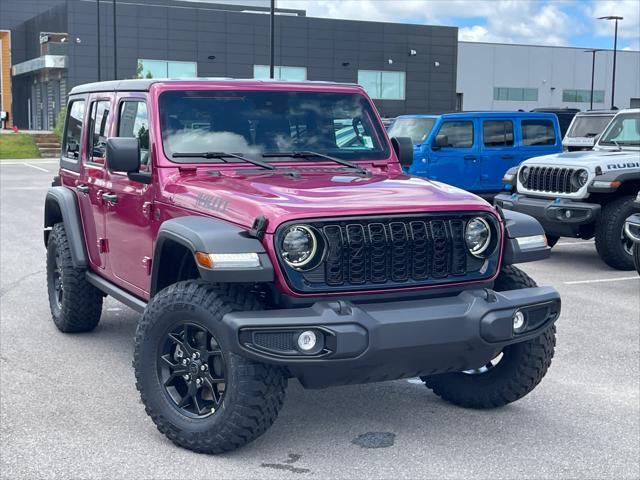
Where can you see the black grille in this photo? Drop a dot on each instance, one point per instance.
(551, 179)
(385, 252)
(275, 341)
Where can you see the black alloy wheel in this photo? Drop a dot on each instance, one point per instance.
(192, 370)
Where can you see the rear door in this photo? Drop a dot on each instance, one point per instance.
(93, 177)
(129, 205)
(498, 152)
(457, 163)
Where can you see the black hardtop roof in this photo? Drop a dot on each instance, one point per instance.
(143, 84)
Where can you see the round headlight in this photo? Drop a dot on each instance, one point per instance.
(581, 177)
(524, 174)
(477, 236)
(299, 246)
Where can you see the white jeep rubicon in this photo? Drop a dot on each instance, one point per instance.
(584, 194)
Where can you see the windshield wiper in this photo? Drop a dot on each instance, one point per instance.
(222, 156)
(307, 154)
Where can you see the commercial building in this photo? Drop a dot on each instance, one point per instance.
(511, 77)
(57, 44)
(405, 68)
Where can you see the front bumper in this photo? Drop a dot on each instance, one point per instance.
(386, 341)
(560, 217)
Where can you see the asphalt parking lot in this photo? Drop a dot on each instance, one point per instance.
(69, 407)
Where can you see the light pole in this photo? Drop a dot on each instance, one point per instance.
(98, 34)
(615, 48)
(272, 34)
(593, 69)
(115, 43)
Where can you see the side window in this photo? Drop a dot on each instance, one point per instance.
(73, 130)
(97, 141)
(457, 134)
(134, 122)
(497, 133)
(538, 132)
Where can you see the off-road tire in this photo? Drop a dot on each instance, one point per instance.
(81, 305)
(254, 391)
(520, 369)
(609, 229)
(552, 240)
(636, 257)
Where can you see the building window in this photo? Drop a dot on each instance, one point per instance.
(573, 96)
(261, 72)
(166, 69)
(515, 94)
(383, 85)
(538, 132)
(497, 133)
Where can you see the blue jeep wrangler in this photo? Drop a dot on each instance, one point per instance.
(473, 150)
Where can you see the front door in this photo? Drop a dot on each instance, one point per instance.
(498, 152)
(458, 161)
(128, 214)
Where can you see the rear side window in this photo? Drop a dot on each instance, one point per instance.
(538, 132)
(459, 134)
(73, 130)
(134, 122)
(497, 133)
(98, 131)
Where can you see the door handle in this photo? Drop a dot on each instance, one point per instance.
(82, 188)
(507, 156)
(110, 197)
(470, 157)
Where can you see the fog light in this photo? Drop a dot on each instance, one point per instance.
(568, 213)
(519, 321)
(307, 341)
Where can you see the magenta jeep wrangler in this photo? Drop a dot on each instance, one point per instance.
(266, 230)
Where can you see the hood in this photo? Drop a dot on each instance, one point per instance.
(240, 196)
(590, 159)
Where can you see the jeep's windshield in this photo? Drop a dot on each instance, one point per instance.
(251, 123)
(624, 130)
(417, 128)
(588, 125)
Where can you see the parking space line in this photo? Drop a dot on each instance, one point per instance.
(599, 280)
(36, 167)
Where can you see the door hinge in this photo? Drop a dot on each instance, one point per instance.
(103, 245)
(146, 263)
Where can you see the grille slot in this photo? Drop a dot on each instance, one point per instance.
(551, 179)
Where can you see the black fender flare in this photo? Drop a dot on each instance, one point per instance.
(61, 204)
(518, 225)
(211, 235)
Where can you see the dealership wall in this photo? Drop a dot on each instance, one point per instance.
(555, 72)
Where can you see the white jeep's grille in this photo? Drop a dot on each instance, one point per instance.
(551, 179)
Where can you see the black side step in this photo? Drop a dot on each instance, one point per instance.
(116, 292)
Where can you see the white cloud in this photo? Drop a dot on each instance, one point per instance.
(516, 21)
(627, 28)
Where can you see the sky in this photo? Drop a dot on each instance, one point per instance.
(540, 22)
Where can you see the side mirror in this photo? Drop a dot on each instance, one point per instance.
(123, 154)
(403, 146)
(440, 142)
